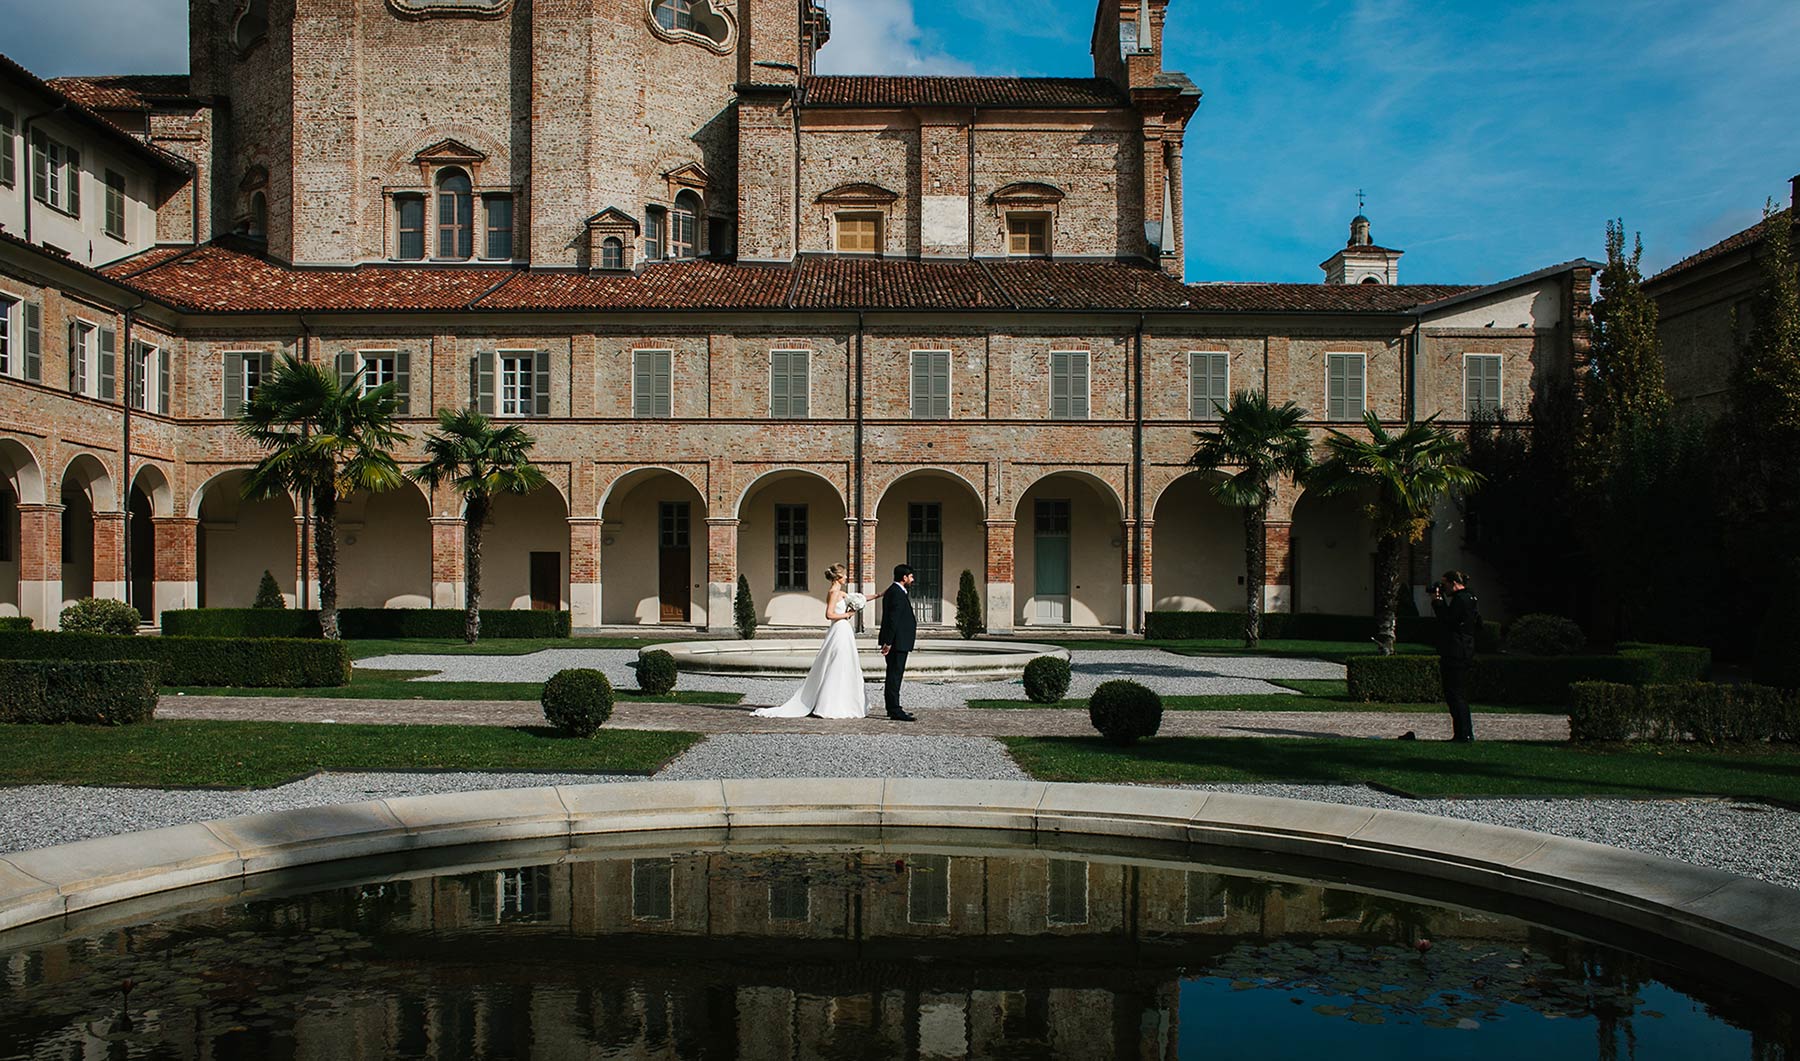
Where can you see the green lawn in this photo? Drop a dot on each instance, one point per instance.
(1326, 694)
(396, 685)
(1332, 651)
(1426, 768)
(523, 646)
(193, 754)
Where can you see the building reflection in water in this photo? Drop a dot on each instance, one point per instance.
(768, 955)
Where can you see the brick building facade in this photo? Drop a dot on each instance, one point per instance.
(760, 320)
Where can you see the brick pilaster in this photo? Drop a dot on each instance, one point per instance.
(40, 564)
(721, 571)
(584, 570)
(109, 555)
(177, 577)
(1278, 566)
(1000, 537)
(447, 562)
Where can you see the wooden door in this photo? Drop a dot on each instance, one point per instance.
(546, 582)
(1050, 568)
(674, 561)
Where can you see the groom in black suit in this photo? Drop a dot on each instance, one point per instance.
(898, 629)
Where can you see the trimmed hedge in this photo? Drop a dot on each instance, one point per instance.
(656, 672)
(1047, 679)
(12, 624)
(1124, 711)
(52, 692)
(577, 701)
(1301, 626)
(242, 662)
(1672, 663)
(1522, 680)
(361, 624)
(1544, 635)
(98, 615)
(1701, 711)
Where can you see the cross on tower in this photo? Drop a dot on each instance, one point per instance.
(1359, 200)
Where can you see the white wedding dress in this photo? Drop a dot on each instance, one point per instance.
(834, 686)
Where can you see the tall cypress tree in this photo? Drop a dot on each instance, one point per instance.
(1623, 387)
(1762, 434)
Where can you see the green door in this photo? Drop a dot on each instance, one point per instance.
(925, 555)
(1050, 568)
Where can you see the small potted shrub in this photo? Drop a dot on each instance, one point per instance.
(578, 702)
(1124, 711)
(656, 672)
(1544, 635)
(1047, 679)
(92, 615)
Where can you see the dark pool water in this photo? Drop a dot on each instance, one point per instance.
(863, 954)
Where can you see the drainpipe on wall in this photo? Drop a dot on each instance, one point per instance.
(1135, 621)
(1412, 369)
(974, 114)
(856, 562)
(30, 177)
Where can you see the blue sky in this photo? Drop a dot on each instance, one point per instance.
(1491, 138)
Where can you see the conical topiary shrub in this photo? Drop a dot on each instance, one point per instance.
(969, 620)
(268, 593)
(745, 606)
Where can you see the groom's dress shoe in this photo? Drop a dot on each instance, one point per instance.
(901, 716)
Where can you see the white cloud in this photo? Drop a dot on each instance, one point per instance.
(882, 37)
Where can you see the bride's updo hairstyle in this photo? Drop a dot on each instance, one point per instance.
(835, 572)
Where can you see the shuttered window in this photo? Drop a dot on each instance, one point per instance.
(789, 383)
(1068, 384)
(650, 370)
(9, 157)
(499, 210)
(930, 384)
(928, 889)
(1481, 384)
(1209, 383)
(518, 380)
(379, 368)
(9, 331)
(652, 889)
(114, 224)
(145, 365)
(84, 356)
(244, 372)
(34, 342)
(1344, 395)
(1205, 897)
(56, 174)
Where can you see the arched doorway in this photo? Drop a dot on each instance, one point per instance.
(86, 489)
(1333, 551)
(1197, 548)
(525, 552)
(384, 550)
(238, 540)
(21, 483)
(1069, 553)
(151, 497)
(790, 529)
(934, 521)
(653, 550)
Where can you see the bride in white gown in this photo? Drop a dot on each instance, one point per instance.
(834, 686)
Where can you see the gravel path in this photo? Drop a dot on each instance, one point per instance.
(758, 755)
(1166, 672)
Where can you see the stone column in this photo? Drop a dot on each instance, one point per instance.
(303, 585)
(177, 583)
(1173, 241)
(447, 562)
(1146, 589)
(1128, 580)
(109, 555)
(1000, 575)
(584, 570)
(1278, 566)
(40, 564)
(721, 572)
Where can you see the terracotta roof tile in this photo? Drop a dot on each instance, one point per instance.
(129, 92)
(672, 285)
(1049, 284)
(143, 261)
(893, 283)
(213, 279)
(168, 160)
(1319, 298)
(1750, 237)
(885, 91)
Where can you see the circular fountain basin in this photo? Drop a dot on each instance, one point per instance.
(939, 661)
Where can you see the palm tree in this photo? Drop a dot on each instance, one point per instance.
(479, 462)
(1263, 442)
(325, 441)
(1408, 474)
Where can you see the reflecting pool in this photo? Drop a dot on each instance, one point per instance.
(857, 952)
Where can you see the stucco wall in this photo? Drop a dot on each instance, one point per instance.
(1197, 550)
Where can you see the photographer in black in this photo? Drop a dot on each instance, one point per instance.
(1458, 622)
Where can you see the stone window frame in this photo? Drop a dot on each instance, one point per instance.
(612, 225)
(860, 200)
(879, 217)
(695, 243)
(1022, 218)
(485, 245)
(1027, 201)
(612, 253)
(646, 904)
(419, 10)
(91, 371)
(1215, 902)
(688, 36)
(656, 410)
(527, 402)
(240, 44)
(1054, 919)
(912, 381)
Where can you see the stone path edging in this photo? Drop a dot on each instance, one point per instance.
(949, 721)
(1744, 921)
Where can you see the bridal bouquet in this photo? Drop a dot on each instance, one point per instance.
(855, 602)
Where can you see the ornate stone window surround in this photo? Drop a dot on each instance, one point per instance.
(612, 223)
(423, 9)
(689, 177)
(1027, 200)
(432, 163)
(858, 202)
(718, 8)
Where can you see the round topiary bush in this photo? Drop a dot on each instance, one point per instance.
(1047, 679)
(1544, 635)
(656, 672)
(91, 615)
(578, 702)
(1123, 711)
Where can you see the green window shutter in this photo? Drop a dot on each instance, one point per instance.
(1354, 397)
(940, 384)
(348, 365)
(799, 383)
(1491, 383)
(1197, 383)
(664, 373)
(162, 381)
(1059, 385)
(109, 362)
(481, 382)
(540, 389)
(778, 383)
(921, 385)
(403, 382)
(1078, 386)
(265, 365)
(73, 170)
(34, 342)
(234, 384)
(643, 385)
(1336, 370)
(40, 167)
(1218, 382)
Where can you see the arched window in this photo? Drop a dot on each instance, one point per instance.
(612, 253)
(252, 24)
(1371, 279)
(259, 215)
(692, 16)
(456, 216)
(684, 226)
